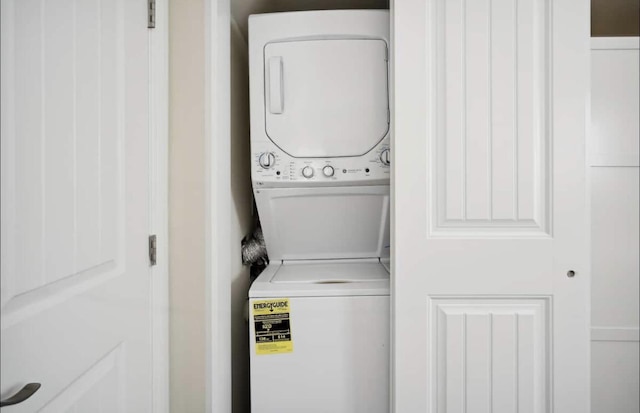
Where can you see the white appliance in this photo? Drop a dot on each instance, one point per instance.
(319, 328)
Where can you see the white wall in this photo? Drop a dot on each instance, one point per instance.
(615, 202)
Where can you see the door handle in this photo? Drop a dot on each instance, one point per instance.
(276, 95)
(24, 393)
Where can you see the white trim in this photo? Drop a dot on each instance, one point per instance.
(392, 206)
(159, 203)
(218, 205)
(631, 334)
(628, 159)
(615, 43)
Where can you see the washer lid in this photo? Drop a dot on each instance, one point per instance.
(326, 98)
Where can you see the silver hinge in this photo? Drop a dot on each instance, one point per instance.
(153, 248)
(151, 14)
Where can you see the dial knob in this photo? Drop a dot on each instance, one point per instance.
(385, 157)
(307, 172)
(267, 160)
(328, 171)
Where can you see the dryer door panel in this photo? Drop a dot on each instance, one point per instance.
(326, 98)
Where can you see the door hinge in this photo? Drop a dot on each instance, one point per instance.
(153, 250)
(151, 14)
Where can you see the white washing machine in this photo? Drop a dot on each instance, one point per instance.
(319, 328)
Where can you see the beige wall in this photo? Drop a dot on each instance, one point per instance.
(187, 215)
(186, 206)
(615, 17)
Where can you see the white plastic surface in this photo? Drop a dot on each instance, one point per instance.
(339, 363)
(324, 223)
(335, 94)
(275, 85)
(322, 279)
(331, 272)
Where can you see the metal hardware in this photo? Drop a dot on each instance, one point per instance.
(571, 273)
(151, 14)
(24, 393)
(153, 250)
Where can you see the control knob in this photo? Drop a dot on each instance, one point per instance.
(328, 171)
(385, 157)
(307, 172)
(267, 160)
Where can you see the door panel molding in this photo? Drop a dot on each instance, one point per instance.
(493, 353)
(489, 114)
(97, 386)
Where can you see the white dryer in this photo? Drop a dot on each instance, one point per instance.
(319, 329)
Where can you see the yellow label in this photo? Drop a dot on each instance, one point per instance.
(272, 326)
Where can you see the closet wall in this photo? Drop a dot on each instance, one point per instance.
(241, 217)
(614, 206)
(615, 18)
(187, 200)
(615, 200)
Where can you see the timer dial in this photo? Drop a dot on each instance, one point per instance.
(267, 160)
(328, 171)
(307, 172)
(385, 157)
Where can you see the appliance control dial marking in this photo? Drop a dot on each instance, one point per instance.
(307, 172)
(328, 171)
(385, 157)
(267, 160)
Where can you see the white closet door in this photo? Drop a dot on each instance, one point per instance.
(491, 276)
(75, 212)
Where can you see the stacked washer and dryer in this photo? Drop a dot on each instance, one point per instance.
(319, 328)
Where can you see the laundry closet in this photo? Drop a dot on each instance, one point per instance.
(321, 175)
(488, 231)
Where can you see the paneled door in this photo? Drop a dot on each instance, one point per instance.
(75, 212)
(491, 271)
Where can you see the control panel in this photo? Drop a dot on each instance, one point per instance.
(272, 167)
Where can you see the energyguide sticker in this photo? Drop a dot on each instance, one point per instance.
(272, 326)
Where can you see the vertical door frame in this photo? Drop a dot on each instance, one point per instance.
(159, 203)
(217, 79)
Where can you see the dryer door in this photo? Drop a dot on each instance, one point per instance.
(326, 98)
